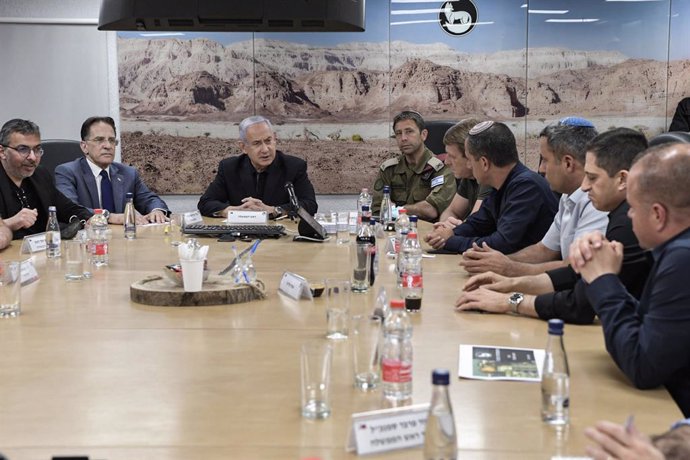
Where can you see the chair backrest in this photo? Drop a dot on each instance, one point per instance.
(670, 137)
(434, 140)
(58, 151)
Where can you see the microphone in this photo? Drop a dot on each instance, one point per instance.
(294, 203)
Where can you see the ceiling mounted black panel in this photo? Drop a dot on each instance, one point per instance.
(233, 15)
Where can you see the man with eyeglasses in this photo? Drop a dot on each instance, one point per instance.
(97, 181)
(255, 180)
(27, 190)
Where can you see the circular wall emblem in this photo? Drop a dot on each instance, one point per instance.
(458, 17)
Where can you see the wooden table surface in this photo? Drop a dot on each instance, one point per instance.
(86, 371)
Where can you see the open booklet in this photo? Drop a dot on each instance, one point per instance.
(487, 362)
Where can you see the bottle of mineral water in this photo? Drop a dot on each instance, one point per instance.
(365, 243)
(396, 355)
(402, 225)
(555, 380)
(130, 217)
(412, 278)
(52, 234)
(386, 213)
(98, 238)
(364, 199)
(440, 437)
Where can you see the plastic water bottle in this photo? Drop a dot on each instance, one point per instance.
(98, 238)
(364, 199)
(52, 234)
(440, 437)
(402, 224)
(374, 269)
(555, 379)
(386, 214)
(399, 258)
(412, 277)
(396, 355)
(365, 248)
(130, 218)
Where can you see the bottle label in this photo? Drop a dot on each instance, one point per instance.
(412, 280)
(100, 249)
(396, 371)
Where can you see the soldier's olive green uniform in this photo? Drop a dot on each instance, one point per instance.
(430, 180)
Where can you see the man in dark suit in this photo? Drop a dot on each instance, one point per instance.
(255, 180)
(96, 181)
(27, 190)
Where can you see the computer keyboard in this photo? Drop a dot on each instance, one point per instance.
(240, 231)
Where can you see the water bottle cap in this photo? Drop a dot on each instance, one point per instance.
(365, 190)
(372, 221)
(98, 211)
(556, 326)
(397, 303)
(413, 218)
(440, 377)
(412, 235)
(402, 211)
(129, 195)
(52, 208)
(365, 207)
(386, 189)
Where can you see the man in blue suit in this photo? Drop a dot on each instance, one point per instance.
(96, 181)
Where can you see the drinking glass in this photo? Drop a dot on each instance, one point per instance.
(364, 336)
(338, 308)
(10, 289)
(315, 360)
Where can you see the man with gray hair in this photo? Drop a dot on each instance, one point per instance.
(255, 180)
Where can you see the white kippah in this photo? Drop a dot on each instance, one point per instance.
(481, 127)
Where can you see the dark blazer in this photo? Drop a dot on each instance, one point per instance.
(681, 119)
(235, 181)
(75, 180)
(47, 194)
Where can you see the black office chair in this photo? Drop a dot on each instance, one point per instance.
(58, 151)
(670, 137)
(434, 140)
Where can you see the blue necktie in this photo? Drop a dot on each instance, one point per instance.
(107, 192)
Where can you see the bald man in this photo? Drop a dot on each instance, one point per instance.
(648, 339)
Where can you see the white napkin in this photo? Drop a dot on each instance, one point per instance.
(192, 251)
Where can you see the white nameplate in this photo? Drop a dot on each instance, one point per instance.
(28, 273)
(387, 429)
(295, 286)
(33, 243)
(193, 217)
(247, 217)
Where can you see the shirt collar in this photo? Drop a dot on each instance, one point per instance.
(95, 169)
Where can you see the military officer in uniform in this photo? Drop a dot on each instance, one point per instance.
(418, 180)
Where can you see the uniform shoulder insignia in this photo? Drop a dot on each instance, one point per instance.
(390, 162)
(435, 163)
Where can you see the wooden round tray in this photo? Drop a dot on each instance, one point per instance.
(217, 290)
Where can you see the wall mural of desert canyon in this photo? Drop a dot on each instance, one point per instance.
(331, 96)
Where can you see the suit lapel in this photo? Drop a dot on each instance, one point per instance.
(247, 173)
(90, 182)
(275, 182)
(118, 188)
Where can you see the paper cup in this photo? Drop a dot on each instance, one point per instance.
(192, 274)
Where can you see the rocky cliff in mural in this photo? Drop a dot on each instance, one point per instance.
(202, 79)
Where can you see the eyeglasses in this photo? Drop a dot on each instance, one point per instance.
(103, 140)
(25, 150)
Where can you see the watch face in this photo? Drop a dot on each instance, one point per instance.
(517, 297)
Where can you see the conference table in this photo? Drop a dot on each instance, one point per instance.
(86, 371)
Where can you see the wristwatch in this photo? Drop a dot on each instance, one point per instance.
(278, 212)
(515, 300)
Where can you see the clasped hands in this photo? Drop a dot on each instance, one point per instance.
(592, 256)
(250, 204)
